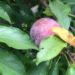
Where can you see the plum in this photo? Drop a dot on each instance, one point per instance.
(42, 29)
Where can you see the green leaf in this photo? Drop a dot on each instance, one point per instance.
(19, 2)
(47, 12)
(61, 11)
(50, 48)
(41, 69)
(4, 15)
(69, 1)
(54, 69)
(27, 14)
(71, 70)
(15, 38)
(10, 64)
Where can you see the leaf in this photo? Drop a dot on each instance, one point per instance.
(54, 69)
(69, 1)
(15, 38)
(47, 12)
(4, 15)
(19, 2)
(73, 11)
(61, 11)
(50, 48)
(41, 69)
(64, 35)
(15, 16)
(26, 13)
(10, 64)
(71, 70)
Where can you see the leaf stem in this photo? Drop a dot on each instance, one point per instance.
(71, 15)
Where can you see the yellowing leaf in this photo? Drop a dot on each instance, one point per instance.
(64, 35)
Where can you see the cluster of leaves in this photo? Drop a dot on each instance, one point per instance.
(18, 53)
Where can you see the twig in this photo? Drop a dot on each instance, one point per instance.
(67, 59)
(69, 56)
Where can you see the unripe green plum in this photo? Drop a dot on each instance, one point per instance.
(42, 29)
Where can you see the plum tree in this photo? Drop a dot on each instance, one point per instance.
(42, 29)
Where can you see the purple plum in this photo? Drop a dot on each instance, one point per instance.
(42, 29)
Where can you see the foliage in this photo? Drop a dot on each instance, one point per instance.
(19, 55)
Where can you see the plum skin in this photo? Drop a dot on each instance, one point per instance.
(42, 29)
